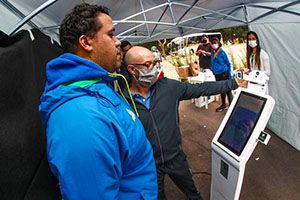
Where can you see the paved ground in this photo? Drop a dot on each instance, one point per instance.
(272, 172)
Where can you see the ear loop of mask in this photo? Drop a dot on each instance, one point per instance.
(127, 86)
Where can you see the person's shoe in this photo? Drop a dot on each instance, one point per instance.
(221, 108)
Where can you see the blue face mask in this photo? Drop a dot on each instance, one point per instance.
(147, 77)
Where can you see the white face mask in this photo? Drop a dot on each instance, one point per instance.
(252, 43)
(215, 46)
(147, 77)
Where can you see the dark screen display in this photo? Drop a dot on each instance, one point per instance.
(241, 122)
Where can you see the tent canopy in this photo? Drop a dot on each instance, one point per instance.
(140, 21)
(277, 23)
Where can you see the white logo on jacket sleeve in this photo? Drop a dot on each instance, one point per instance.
(131, 113)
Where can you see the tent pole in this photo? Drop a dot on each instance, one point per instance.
(31, 15)
(246, 16)
(17, 12)
(171, 10)
(223, 18)
(159, 20)
(128, 30)
(145, 19)
(194, 28)
(139, 13)
(142, 22)
(218, 12)
(182, 16)
(281, 8)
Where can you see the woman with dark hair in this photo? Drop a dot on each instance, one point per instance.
(257, 58)
(222, 67)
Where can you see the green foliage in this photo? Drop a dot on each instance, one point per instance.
(234, 32)
(155, 43)
(176, 60)
(244, 62)
(233, 60)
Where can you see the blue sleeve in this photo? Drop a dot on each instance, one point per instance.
(83, 152)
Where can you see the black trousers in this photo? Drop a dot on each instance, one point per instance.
(220, 77)
(179, 171)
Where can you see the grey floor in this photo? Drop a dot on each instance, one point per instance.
(272, 172)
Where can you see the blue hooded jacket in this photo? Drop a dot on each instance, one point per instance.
(221, 63)
(96, 145)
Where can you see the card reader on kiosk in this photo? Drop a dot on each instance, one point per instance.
(258, 80)
(236, 139)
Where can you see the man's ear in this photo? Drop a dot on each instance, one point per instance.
(85, 42)
(130, 69)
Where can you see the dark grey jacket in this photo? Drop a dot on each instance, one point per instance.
(161, 122)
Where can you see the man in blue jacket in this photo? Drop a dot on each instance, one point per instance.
(96, 145)
(157, 102)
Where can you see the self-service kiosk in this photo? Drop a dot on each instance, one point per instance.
(258, 80)
(236, 139)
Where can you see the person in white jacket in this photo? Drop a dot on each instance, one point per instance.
(257, 58)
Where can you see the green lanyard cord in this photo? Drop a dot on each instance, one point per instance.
(127, 86)
(85, 83)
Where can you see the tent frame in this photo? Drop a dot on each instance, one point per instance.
(219, 15)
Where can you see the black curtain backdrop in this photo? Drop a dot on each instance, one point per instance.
(24, 170)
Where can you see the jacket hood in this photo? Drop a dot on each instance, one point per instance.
(69, 68)
(66, 69)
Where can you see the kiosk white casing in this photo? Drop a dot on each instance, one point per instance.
(229, 161)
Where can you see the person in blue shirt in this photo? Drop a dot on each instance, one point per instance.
(157, 101)
(222, 68)
(96, 145)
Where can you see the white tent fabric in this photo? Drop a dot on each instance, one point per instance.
(277, 23)
(284, 82)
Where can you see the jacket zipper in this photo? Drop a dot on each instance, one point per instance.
(158, 138)
(157, 135)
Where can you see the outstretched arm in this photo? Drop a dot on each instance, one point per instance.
(188, 91)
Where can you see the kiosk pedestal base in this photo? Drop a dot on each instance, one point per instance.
(227, 178)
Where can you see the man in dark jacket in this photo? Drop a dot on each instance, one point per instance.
(157, 105)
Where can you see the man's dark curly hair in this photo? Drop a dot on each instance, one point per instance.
(81, 21)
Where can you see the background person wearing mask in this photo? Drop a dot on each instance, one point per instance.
(204, 53)
(156, 54)
(221, 66)
(257, 58)
(157, 102)
(125, 46)
(158, 58)
(96, 146)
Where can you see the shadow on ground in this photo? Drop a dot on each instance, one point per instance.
(272, 172)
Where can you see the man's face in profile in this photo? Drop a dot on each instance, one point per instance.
(105, 45)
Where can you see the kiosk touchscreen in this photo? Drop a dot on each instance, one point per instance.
(235, 141)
